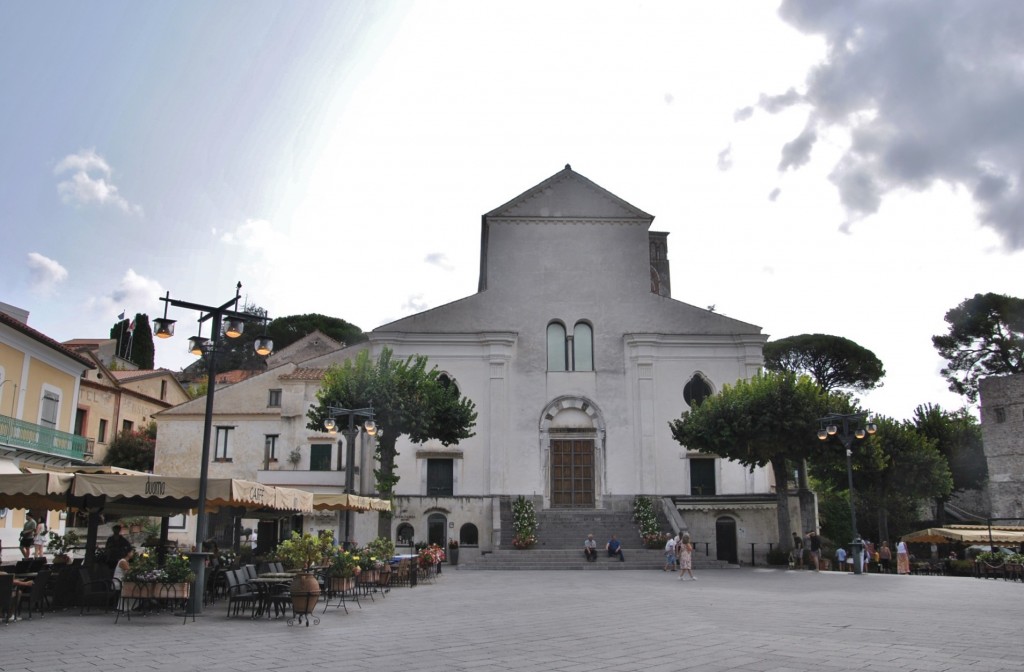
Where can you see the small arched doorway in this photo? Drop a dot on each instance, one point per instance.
(437, 529)
(725, 540)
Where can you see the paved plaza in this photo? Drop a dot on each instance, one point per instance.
(741, 619)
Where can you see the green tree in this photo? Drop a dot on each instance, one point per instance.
(135, 343)
(770, 419)
(833, 362)
(407, 398)
(133, 449)
(957, 436)
(287, 330)
(986, 338)
(893, 470)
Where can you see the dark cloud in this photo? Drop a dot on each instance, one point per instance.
(725, 159)
(931, 92)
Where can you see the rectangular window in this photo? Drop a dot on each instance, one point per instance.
(102, 438)
(127, 425)
(320, 457)
(440, 478)
(702, 477)
(270, 448)
(221, 451)
(163, 390)
(48, 412)
(274, 399)
(1000, 414)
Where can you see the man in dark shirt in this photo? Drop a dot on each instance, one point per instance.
(117, 546)
(815, 549)
(614, 547)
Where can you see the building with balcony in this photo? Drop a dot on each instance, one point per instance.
(40, 388)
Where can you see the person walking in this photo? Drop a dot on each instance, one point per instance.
(798, 551)
(885, 557)
(41, 536)
(815, 549)
(684, 549)
(902, 558)
(28, 535)
(670, 555)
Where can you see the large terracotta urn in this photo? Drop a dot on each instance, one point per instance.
(305, 593)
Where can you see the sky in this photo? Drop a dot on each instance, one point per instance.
(847, 167)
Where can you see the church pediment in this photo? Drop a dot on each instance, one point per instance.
(568, 195)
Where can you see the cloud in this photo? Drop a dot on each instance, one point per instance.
(440, 260)
(255, 234)
(414, 303)
(743, 113)
(774, 194)
(45, 273)
(133, 294)
(89, 182)
(669, 99)
(797, 151)
(929, 93)
(725, 159)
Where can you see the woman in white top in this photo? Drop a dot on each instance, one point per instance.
(41, 536)
(122, 567)
(902, 558)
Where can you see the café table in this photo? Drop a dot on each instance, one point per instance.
(269, 595)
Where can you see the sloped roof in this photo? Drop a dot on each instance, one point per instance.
(521, 204)
(124, 376)
(42, 338)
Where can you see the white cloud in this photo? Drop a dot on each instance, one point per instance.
(89, 182)
(440, 260)
(725, 159)
(46, 273)
(414, 303)
(134, 294)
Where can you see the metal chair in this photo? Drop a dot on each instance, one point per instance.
(36, 596)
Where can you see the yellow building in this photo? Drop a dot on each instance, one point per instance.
(40, 385)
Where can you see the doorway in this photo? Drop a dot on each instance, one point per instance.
(437, 530)
(725, 540)
(572, 473)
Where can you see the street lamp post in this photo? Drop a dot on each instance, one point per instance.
(224, 316)
(846, 428)
(350, 450)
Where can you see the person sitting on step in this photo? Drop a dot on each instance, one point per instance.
(590, 548)
(614, 547)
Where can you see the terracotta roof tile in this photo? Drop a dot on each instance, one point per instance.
(45, 340)
(304, 374)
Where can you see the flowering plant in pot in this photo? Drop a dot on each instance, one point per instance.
(177, 570)
(303, 551)
(431, 555)
(524, 523)
(343, 564)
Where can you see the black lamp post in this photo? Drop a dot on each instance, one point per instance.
(350, 450)
(846, 428)
(233, 322)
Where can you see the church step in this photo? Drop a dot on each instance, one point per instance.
(540, 559)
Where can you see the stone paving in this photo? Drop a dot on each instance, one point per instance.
(749, 619)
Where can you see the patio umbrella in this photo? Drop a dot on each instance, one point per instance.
(323, 501)
(969, 534)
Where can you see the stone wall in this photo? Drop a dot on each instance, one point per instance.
(1002, 430)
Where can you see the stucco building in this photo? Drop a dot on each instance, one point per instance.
(576, 356)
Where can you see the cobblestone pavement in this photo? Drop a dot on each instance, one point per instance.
(751, 619)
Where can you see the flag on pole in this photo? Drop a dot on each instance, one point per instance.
(121, 316)
(131, 327)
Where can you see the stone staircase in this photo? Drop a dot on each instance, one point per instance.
(560, 547)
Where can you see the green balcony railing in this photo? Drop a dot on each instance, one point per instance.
(20, 434)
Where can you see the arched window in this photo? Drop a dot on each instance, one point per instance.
(557, 350)
(696, 390)
(405, 534)
(582, 347)
(468, 535)
(445, 381)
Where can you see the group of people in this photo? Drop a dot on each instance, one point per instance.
(33, 536)
(679, 553)
(814, 554)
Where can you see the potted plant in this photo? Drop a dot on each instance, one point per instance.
(61, 545)
(524, 523)
(342, 569)
(453, 551)
(141, 577)
(177, 576)
(302, 552)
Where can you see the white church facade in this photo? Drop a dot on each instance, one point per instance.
(577, 358)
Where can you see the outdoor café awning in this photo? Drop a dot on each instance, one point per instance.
(333, 502)
(968, 534)
(179, 494)
(45, 490)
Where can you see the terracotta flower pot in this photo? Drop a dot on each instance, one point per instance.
(305, 593)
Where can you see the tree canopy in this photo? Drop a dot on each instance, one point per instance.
(287, 330)
(833, 362)
(407, 399)
(957, 437)
(133, 449)
(770, 419)
(986, 337)
(135, 340)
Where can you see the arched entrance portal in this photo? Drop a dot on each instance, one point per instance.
(572, 438)
(725, 540)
